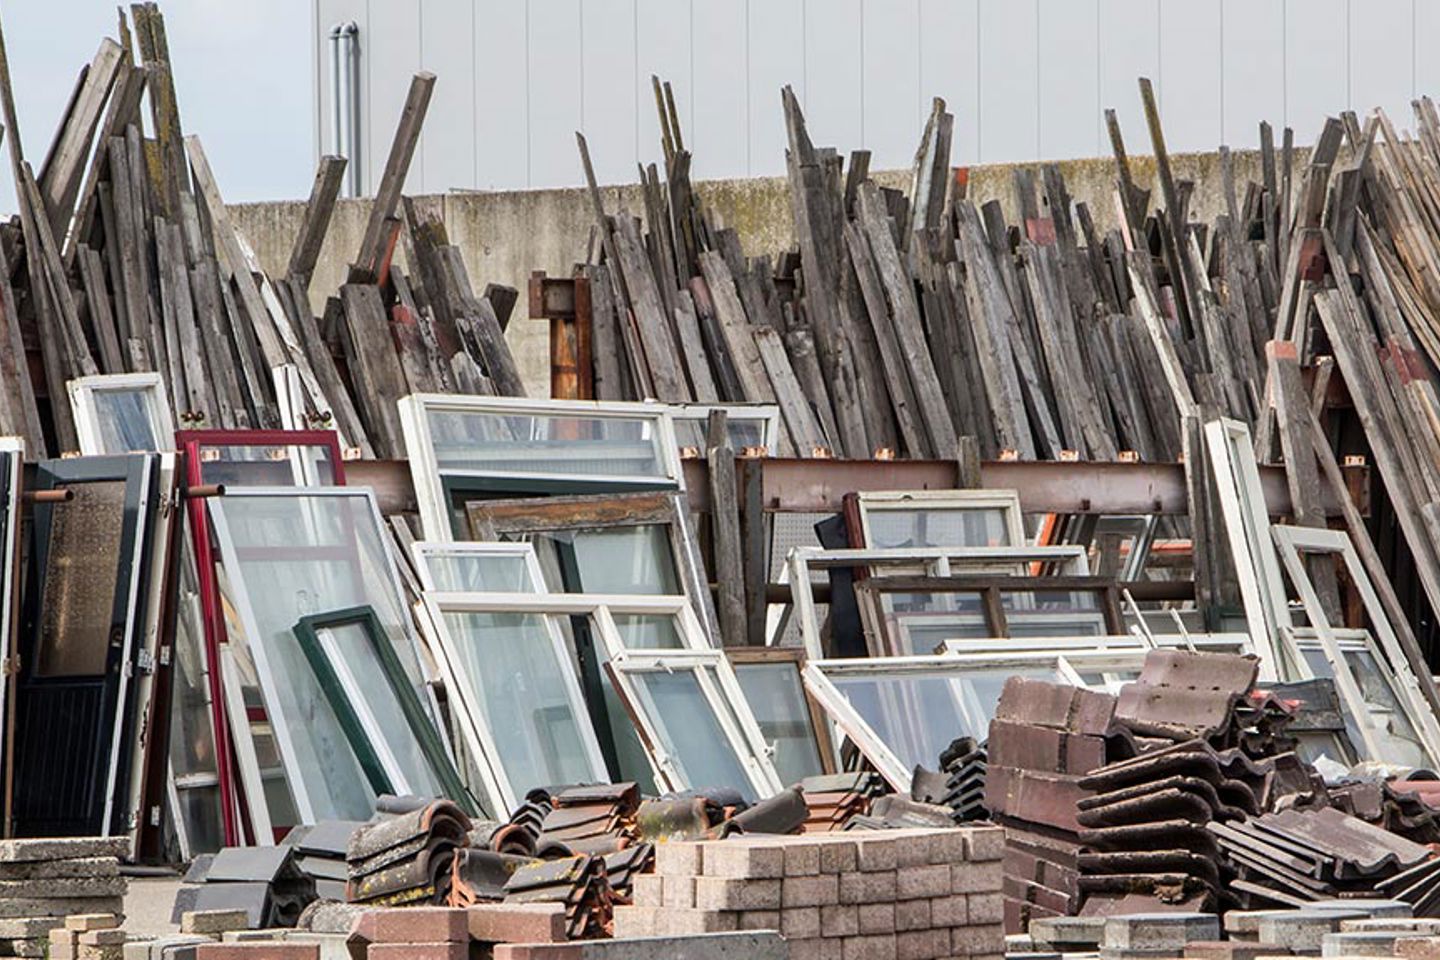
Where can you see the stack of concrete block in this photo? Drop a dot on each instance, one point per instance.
(914, 894)
(413, 933)
(85, 936)
(43, 881)
(748, 945)
(1156, 936)
(257, 950)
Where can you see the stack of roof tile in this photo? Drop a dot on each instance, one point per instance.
(407, 857)
(1408, 806)
(578, 882)
(597, 819)
(265, 882)
(1044, 738)
(832, 799)
(320, 851)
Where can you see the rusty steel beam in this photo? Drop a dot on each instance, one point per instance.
(790, 485)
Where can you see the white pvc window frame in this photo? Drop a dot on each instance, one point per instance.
(150, 386)
(1068, 560)
(819, 676)
(429, 478)
(426, 553)
(726, 700)
(1247, 525)
(1293, 543)
(12, 449)
(265, 672)
(945, 501)
(765, 414)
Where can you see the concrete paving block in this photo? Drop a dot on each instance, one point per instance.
(1245, 923)
(800, 922)
(137, 950)
(517, 922)
(744, 859)
(750, 945)
(1159, 953)
(758, 920)
(985, 907)
(80, 922)
(675, 859)
(414, 925)
(1301, 931)
(948, 846)
(62, 848)
(974, 941)
(1228, 950)
(1073, 934)
(1377, 908)
(931, 880)
(684, 923)
(839, 920)
(30, 928)
(876, 947)
(51, 869)
(648, 890)
(417, 951)
(816, 891)
(30, 907)
(860, 887)
(635, 921)
(976, 877)
(922, 944)
(25, 947)
(951, 911)
(1368, 943)
(912, 915)
(213, 921)
(1424, 926)
(1157, 931)
(984, 843)
(105, 938)
(837, 856)
(876, 918)
(1418, 948)
(875, 852)
(680, 892)
(719, 893)
(802, 859)
(813, 948)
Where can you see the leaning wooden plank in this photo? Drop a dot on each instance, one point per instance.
(61, 297)
(168, 330)
(610, 380)
(164, 111)
(60, 175)
(14, 376)
(662, 355)
(322, 364)
(397, 166)
(124, 109)
(806, 434)
(800, 345)
(318, 210)
(107, 340)
(905, 313)
(1164, 344)
(1183, 277)
(220, 360)
(725, 531)
(692, 346)
(227, 245)
(482, 325)
(730, 316)
(379, 379)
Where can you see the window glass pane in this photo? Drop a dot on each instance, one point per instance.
(480, 573)
(363, 677)
(529, 444)
(517, 680)
(740, 433)
(917, 714)
(300, 555)
(938, 527)
(266, 465)
(124, 420)
(620, 560)
(1053, 613)
(1402, 745)
(777, 698)
(79, 580)
(689, 731)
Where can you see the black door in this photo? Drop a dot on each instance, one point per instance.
(84, 600)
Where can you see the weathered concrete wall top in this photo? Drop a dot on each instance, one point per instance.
(505, 236)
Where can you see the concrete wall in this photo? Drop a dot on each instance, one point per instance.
(505, 236)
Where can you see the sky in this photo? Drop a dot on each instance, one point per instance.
(243, 78)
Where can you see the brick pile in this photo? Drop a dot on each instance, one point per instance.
(43, 881)
(918, 894)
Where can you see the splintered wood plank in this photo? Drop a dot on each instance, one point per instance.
(374, 243)
(692, 346)
(60, 174)
(318, 210)
(61, 297)
(481, 325)
(905, 313)
(725, 532)
(657, 339)
(23, 416)
(806, 434)
(123, 110)
(610, 379)
(800, 345)
(230, 409)
(730, 318)
(97, 298)
(379, 379)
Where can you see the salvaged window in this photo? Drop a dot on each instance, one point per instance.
(793, 724)
(121, 413)
(746, 425)
(473, 447)
(941, 518)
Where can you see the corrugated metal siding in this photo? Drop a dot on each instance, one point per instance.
(1026, 79)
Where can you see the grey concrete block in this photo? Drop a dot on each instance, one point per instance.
(1246, 923)
(802, 859)
(648, 890)
(62, 848)
(746, 945)
(679, 859)
(1073, 934)
(1366, 944)
(31, 907)
(1424, 926)
(838, 856)
(744, 859)
(1159, 931)
(931, 880)
(1377, 908)
(867, 887)
(721, 893)
(29, 928)
(1302, 931)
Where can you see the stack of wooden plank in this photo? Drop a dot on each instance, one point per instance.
(125, 260)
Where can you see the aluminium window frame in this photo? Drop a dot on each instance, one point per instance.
(818, 675)
(1247, 526)
(943, 501)
(499, 520)
(766, 414)
(269, 680)
(151, 386)
(1293, 542)
(464, 694)
(352, 705)
(721, 688)
(1068, 560)
(795, 658)
(432, 491)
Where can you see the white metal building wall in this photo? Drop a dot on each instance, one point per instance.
(1026, 79)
